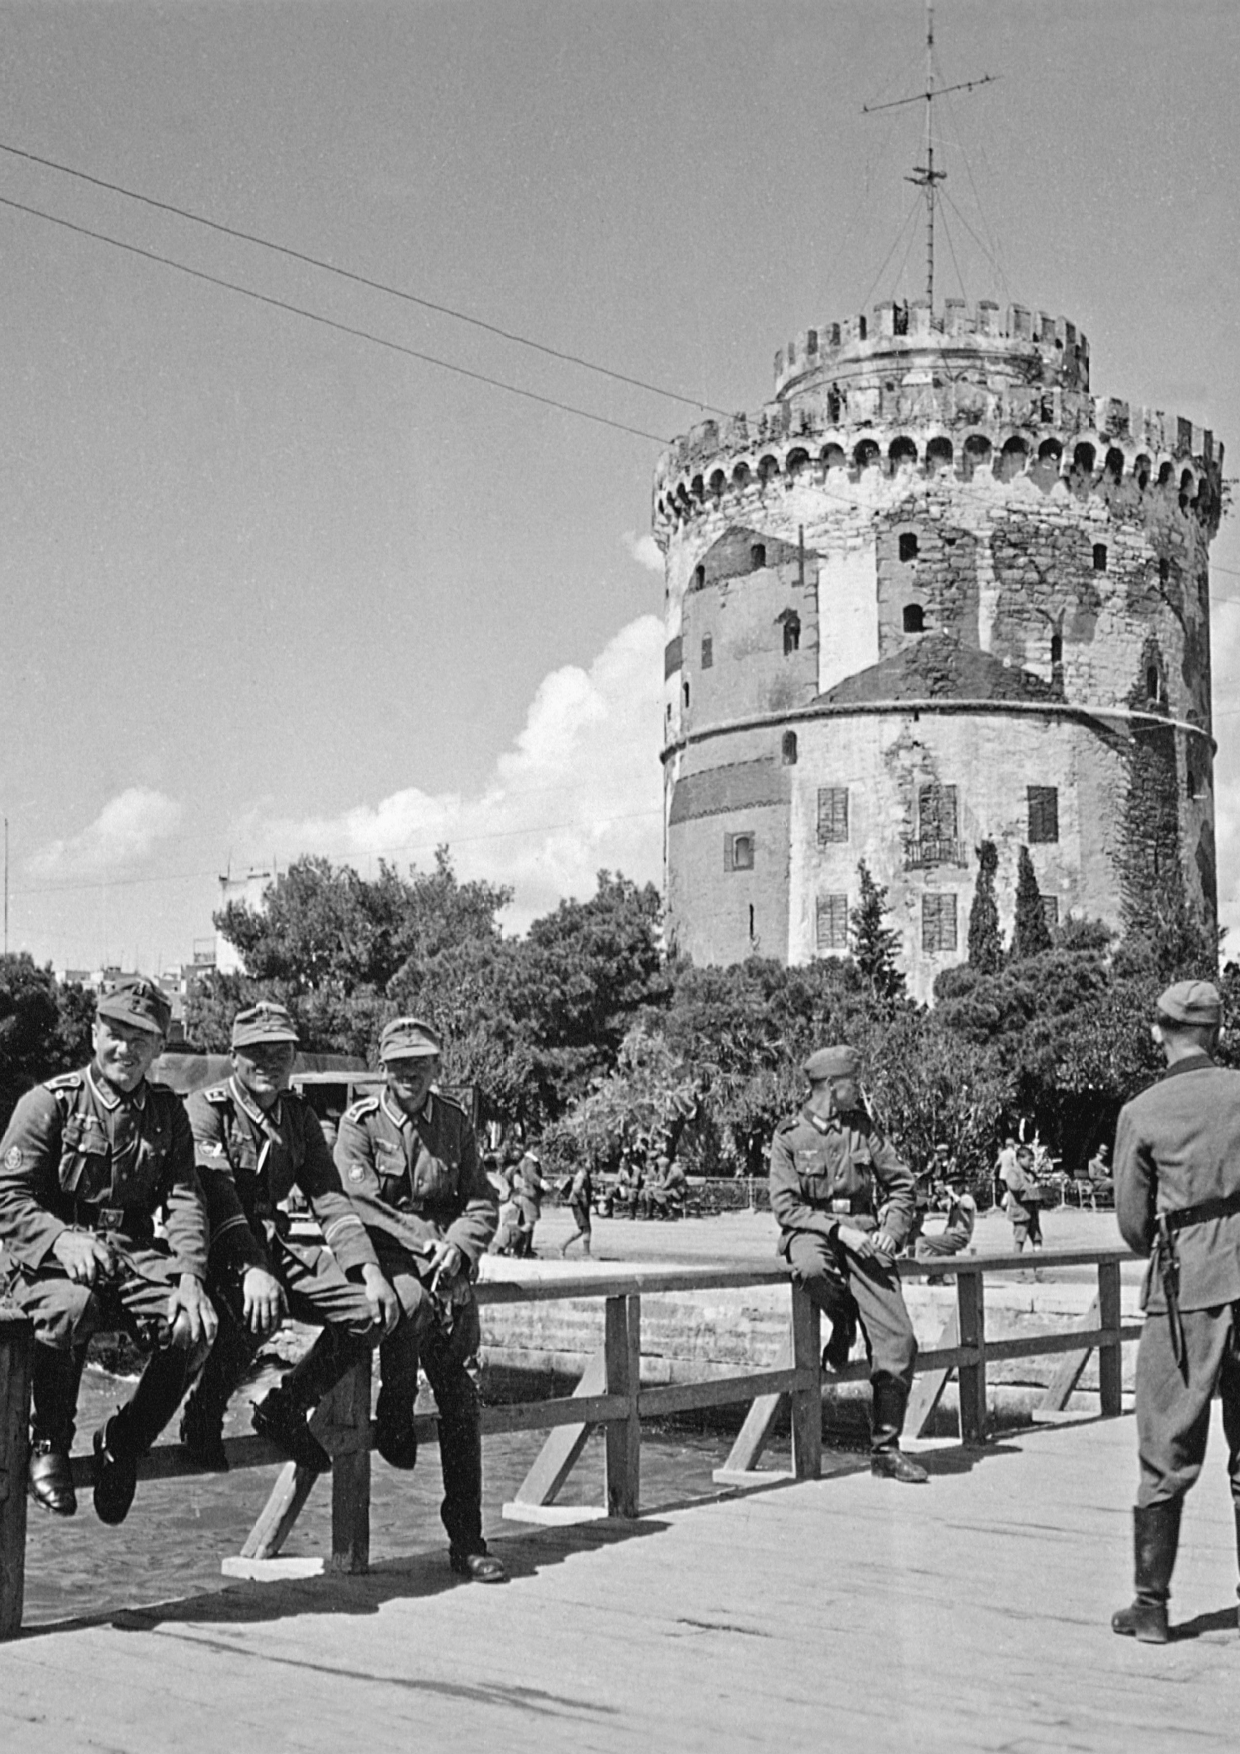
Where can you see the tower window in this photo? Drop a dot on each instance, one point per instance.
(1050, 912)
(1043, 814)
(908, 545)
(708, 651)
(1100, 557)
(757, 555)
(752, 931)
(1164, 570)
(685, 695)
(1056, 648)
(937, 815)
(792, 633)
(699, 577)
(1151, 683)
(738, 852)
(938, 922)
(914, 618)
(832, 814)
(831, 923)
(789, 749)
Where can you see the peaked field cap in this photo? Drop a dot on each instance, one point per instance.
(833, 1062)
(266, 1021)
(1191, 1002)
(408, 1038)
(137, 1002)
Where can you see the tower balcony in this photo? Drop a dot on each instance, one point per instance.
(921, 854)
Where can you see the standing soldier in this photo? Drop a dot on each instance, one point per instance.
(409, 1163)
(254, 1142)
(88, 1160)
(844, 1203)
(1177, 1197)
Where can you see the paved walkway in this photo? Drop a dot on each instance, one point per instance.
(843, 1614)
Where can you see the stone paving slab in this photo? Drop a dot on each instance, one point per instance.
(842, 1614)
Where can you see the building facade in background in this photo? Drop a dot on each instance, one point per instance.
(936, 592)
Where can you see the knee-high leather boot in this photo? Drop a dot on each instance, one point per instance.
(1156, 1540)
(202, 1422)
(887, 1459)
(56, 1378)
(281, 1416)
(133, 1428)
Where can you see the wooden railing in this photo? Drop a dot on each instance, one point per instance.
(610, 1395)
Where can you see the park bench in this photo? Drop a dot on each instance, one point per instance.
(609, 1396)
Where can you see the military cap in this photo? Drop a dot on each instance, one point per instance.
(833, 1062)
(265, 1021)
(1195, 1002)
(137, 1002)
(408, 1038)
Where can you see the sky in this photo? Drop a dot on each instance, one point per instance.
(271, 588)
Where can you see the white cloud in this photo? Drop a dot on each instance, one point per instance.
(644, 550)
(124, 833)
(579, 790)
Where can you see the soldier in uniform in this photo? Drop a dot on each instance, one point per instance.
(409, 1162)
(844, 1203)
(88, 1161)
(1177, 1197)
(255, 1141)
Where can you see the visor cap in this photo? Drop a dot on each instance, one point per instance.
(833, 1062)
(266, 1021)
(1196, 1002)
(137, 1002)
(408, 1038)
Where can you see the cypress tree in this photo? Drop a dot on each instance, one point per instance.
(1032, 934)
(875, 945)
(985, 944)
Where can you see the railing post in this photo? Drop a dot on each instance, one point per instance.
(1110, 1357)
(971, 1307)
(349, 1415)
(16, 1352)
(806, 1401)
(622, 1355)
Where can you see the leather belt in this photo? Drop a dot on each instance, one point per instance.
(1182, 1216)
(126, 1221)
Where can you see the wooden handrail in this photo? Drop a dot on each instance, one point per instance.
(610, 1396)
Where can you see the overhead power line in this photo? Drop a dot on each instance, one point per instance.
(281, 304)
(400, 292)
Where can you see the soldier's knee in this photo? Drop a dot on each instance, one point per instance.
(67, 1319)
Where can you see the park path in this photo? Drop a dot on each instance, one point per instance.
(840, 1614)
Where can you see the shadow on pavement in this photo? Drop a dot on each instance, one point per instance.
(419, 1576)
(1221, 1620)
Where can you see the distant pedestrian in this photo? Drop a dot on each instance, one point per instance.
(580, 1199)
(957, 1233)
(1024, 1201)
(529, 1188)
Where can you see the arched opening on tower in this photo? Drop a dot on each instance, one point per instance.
(1050, 451)
(867, 454)
(1083, 459)
(1100, 557)
(768, 469)
(792, 632)
(908, 545)
(796, 461)
(699, 576)
(1115, 464)
(1013, 457)
(977, 451)
(1056, 649)
(788, 752)
(757, 555)
(1141, 469)
(718, 482)
(914, 618)
(740, 476)
(901, 450)
(833, 457)
(835, 406)
(697, 487)
(684, 695)
(939, 453)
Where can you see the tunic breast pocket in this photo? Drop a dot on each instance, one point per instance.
(434, 1179)
(84, 1168)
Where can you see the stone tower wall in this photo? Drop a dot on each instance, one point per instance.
(936, 559)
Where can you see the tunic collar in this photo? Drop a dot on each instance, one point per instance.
(271, 1117)
(1190, 1063)
(109, 1095)
(397, 1115)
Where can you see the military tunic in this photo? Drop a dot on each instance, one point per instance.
(414, 1182)
(1177, 1152)
(80, 1154)
(249, 1160)
(844, 1171)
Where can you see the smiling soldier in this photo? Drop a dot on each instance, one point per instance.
(409, 1162)
(254, 1141)
(87, 1162)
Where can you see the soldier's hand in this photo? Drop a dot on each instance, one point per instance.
(446, 1261)
(262, 1301)
(883, 1244)
(384, 1304)
(85, 1257)
(857, 1242)
(190, 1306)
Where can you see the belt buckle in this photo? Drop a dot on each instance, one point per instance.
(110, 1218)
(843, 1206)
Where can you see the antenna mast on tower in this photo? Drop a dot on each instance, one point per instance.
(925, 176)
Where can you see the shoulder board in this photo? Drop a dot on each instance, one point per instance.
(450, 1102)
(218, 1093)
(365, 1105)
(66, 1081)
(790, 1125)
